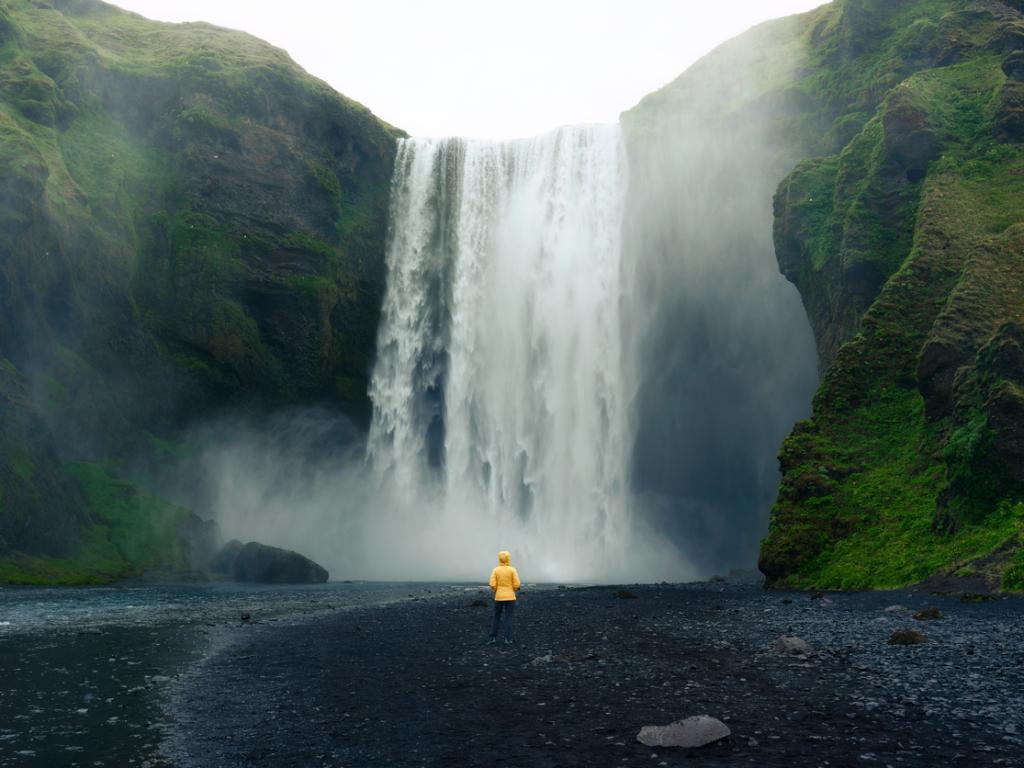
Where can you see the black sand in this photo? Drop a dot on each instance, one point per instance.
(414, 684)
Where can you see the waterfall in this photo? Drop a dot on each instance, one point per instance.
(500, 405)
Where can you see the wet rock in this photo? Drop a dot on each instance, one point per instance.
(223, 561)
(625, 594)
(896, 609)
(478, 604)
(259, 563)
(690, 733)
(931, 613)
(791, 645)
(907, 637)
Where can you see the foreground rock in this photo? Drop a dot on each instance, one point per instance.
(792, 646)
(689, 733)
(907, 637)
(261, 564)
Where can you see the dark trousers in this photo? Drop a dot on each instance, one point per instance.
(506, 607)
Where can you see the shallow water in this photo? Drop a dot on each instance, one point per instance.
(83, 670)
(62, 609)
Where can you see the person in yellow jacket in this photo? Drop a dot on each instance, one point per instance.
(504, 584)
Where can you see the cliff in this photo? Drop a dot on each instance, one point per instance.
(893, 132)
(187, 220)
(905, 240)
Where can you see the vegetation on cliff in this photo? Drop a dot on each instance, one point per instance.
(906, 243)
(187, 219)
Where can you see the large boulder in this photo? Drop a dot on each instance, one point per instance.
(261, 564)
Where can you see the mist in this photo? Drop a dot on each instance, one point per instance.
(724, 354)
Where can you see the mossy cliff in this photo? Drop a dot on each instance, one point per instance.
(187, 220)
(905, 238)
(895, 129)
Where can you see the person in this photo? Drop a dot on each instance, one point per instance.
(504, 584)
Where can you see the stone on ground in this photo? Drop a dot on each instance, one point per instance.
(907, 637)
(689, 733)
(791, 645)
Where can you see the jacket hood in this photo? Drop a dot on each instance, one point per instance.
(504, 557)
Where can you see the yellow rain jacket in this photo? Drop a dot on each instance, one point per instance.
(504, 579)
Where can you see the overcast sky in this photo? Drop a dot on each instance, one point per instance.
(484, 68)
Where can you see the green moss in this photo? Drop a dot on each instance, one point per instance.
(129, 533)
(304, 242)
(327, 180)
(1013, 576)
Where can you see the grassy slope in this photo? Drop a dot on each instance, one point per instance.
(892, 480)
(187, 220)
(129, 534)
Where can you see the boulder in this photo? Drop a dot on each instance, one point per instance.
(791, 645)
(259, 563)
(690, 733)
(931, 613)
(907, 637)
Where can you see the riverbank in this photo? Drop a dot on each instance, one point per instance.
(413, 683)
(85, 671)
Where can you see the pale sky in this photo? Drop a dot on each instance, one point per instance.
(483, 68)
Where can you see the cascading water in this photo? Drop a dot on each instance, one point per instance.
(500, 395)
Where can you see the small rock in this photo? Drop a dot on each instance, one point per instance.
(478, 604)
(975, 597)
(689, 733)
(625, 594)
(896, 609)
(907, 637)
(791, 645)
(246, 617)
(928, 614)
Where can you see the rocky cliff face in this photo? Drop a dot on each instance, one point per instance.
(905, 241)
(187, 219)
(895, 131)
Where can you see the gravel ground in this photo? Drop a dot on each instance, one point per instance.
(414, 684)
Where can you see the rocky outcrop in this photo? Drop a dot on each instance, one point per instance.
(259, 563)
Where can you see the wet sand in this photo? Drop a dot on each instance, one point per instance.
(84, 672)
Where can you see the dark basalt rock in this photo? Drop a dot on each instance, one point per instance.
(262, 564)
(223, 562)
(1010, 117)
(909, 138)
(907, 637)
(1013, 66)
